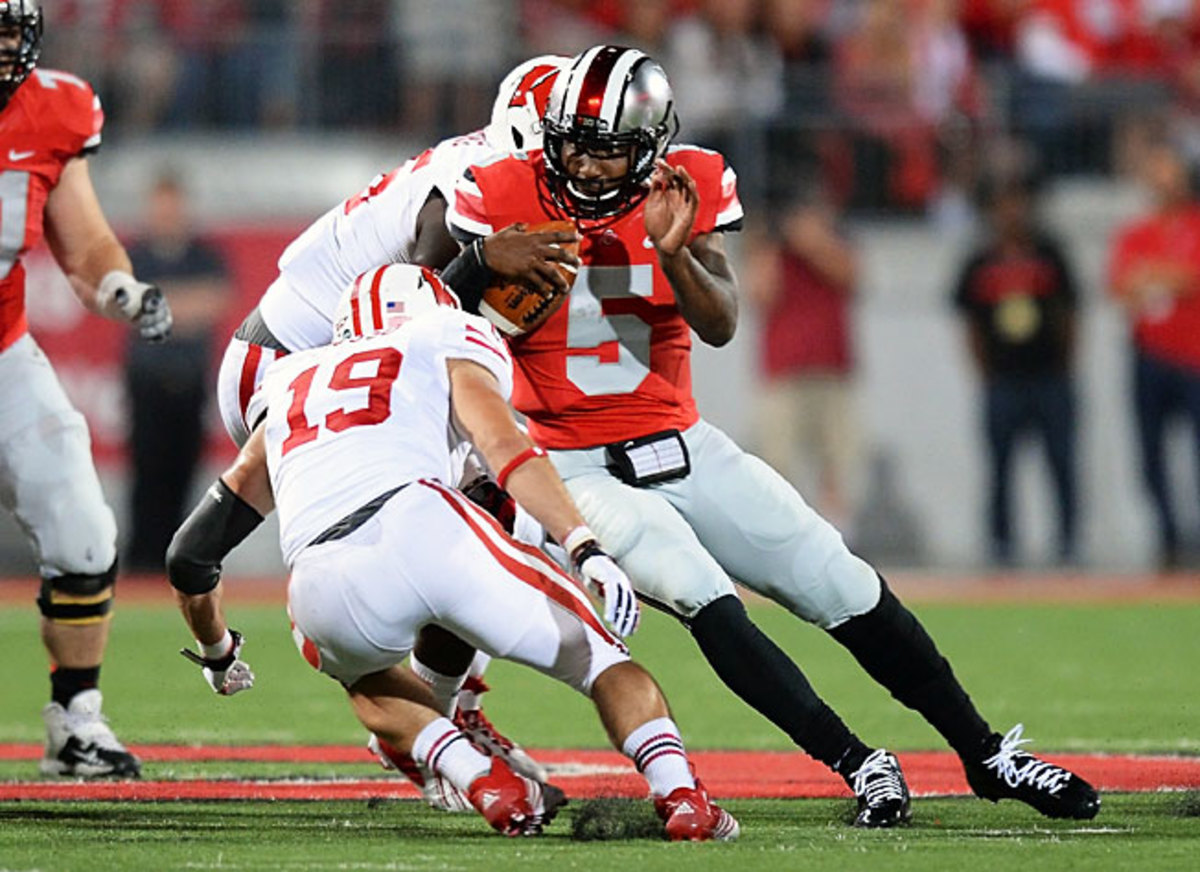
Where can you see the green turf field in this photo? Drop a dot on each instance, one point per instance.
(1116, 677)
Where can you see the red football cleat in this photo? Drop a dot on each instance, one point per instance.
(513, 804)
(689, 815)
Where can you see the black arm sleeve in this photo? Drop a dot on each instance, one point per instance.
(468, 275)
(214, 528)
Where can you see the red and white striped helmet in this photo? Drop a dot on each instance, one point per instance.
(382, 299)
(520, 103)
(608, 99)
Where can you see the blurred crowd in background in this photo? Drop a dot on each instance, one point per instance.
(847, 121)
(895, 104)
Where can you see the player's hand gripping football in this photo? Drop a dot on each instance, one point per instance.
(671, 208)
(226, 675)
(603, 578)
(529, 257)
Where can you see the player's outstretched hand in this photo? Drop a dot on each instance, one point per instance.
(529, 257)
(225, 675)
(601, 575)
(671, 208)
(154, 319)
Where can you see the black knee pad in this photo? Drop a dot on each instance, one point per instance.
(78, 599)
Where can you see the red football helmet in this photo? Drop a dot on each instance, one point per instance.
(609, 99)
(20, 20)
(382, 299)
(520, 103)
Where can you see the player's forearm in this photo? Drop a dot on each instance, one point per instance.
(204, 615)
(536, 486)
(87, 268)
(707, 299)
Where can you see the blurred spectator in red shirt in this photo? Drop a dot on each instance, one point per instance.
(803, 281)
(1155, 273)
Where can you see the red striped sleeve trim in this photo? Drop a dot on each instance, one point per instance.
(488, 346)
(249, 377)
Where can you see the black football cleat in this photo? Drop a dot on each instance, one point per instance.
(1007, 772)
(883, 798)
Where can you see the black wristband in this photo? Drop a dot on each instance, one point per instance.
(468, 275)
(214, 528)
(588, 549)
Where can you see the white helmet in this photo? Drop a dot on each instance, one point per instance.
(382, 299)
(517, 113)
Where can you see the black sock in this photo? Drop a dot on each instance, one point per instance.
(65, 683)
(892, 646)
(754, 668)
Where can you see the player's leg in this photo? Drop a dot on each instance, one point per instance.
(522, 607)
(766, 536)
(49, 483)
(668, 565)
(356, 613)
(1153, 404)
(1056, 414)
(1004, 403)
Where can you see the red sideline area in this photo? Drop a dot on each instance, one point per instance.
(582, 774)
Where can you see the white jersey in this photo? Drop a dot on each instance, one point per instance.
(375, 227)
(346, 423)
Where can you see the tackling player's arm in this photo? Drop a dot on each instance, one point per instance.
(229, 511)
(699, 272)
(526, 473)
(95, 262)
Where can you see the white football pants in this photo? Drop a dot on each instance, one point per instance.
(431, 556)
(47, 478)
(732, 517)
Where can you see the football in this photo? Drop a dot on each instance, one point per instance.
(515, 308)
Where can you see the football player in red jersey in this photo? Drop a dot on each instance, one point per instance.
(605, 384)
(49, 123)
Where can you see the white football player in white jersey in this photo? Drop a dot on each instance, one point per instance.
(355, 451)
(400, 218)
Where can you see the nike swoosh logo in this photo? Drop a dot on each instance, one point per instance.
(647, 242)
(15, 155)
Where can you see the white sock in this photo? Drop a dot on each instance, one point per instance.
(445, 687)
(474, 688)
(657, 751)
(442, 748)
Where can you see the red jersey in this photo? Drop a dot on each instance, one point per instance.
(52, 118)
(1170, 329)
(615, 362)
(807, 328)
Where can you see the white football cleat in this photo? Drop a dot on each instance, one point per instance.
(80, 743)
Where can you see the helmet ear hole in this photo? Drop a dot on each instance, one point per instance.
(518, 139)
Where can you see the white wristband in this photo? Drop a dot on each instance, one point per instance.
(218, 649)
(577, 537)
(106, 293)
